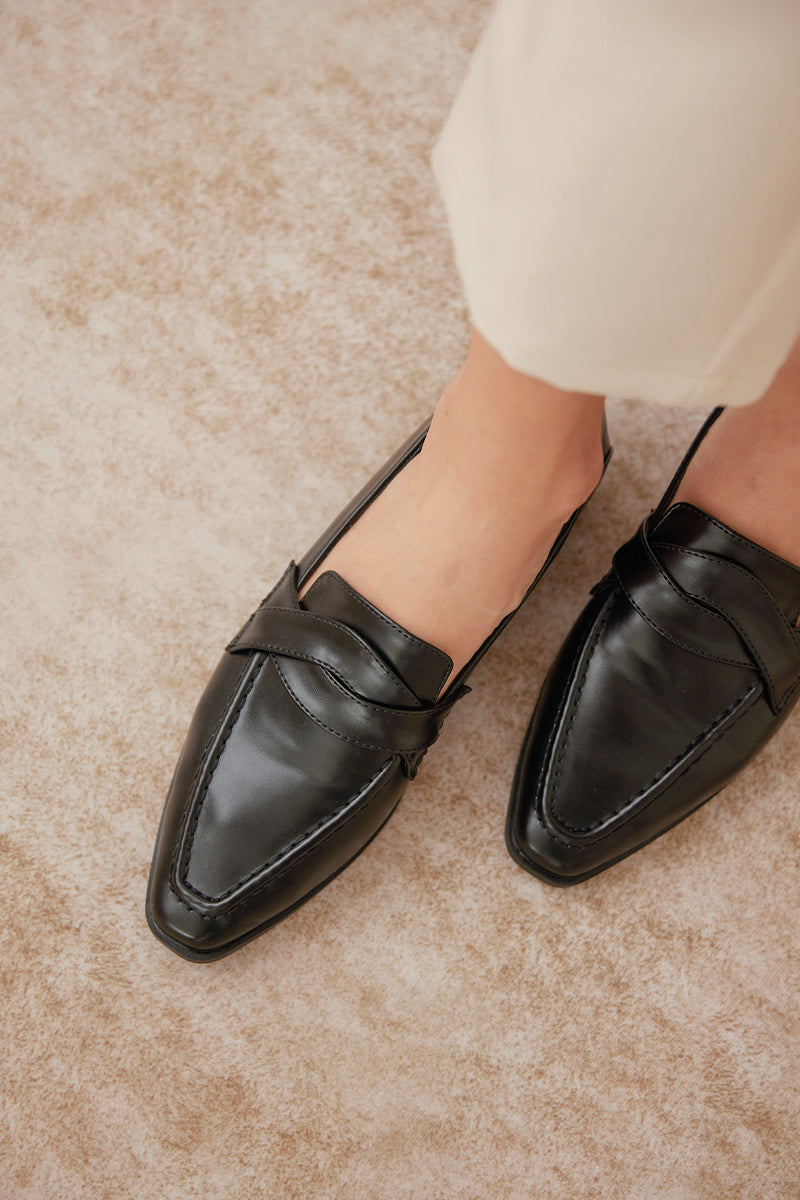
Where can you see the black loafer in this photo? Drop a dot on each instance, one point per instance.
(316, 717)
(683, 664)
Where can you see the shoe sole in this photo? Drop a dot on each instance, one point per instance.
(550, 877)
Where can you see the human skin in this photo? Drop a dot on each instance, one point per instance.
(454, 542)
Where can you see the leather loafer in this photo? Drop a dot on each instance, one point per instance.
(683, 664)
(316, 717)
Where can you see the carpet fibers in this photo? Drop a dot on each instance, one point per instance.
(227, 294)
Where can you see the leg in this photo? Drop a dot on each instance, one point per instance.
(747, 469)
(454, 542)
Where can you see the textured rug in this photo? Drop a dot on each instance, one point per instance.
(228, 292)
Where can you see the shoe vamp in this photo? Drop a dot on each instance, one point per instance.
(639, 706)
(280, 781)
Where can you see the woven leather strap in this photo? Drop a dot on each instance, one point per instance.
(338, 678)
(712, 607)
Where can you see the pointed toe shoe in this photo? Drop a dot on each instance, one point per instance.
(684, 663)
(316, 717)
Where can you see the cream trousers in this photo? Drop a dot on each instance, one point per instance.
(622, 184)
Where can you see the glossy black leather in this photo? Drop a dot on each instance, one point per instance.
(683, 664)
(315, 719)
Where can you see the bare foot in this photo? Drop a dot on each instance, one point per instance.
(454, 542)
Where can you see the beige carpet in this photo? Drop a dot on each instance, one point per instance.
(227, 293)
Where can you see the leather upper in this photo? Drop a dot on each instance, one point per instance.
(277, 779)
(301, 745)
(682, 665)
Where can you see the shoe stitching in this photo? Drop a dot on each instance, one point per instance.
(220, 722)
(548, 749)
(670, 582)
(356, 810)
(582, 849)
(746, 541)
(602, 619)
(191, 907)
(790, 691)
(341, 684)
(786, 699)
(558, 768)
(234, 716)
(346, 737)
(706, 554)
(209, 743)
(265, 601)
(371, 609)
(289, 650)
(769, 598)
(585, 848)
(212, 766)
(307, 835)
(418, 642)
(405, 756)
(601, 624)
(633, 800)
(671, 637)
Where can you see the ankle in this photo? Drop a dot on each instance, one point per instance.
(746, 469)
(578, 468)
(518, 436)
